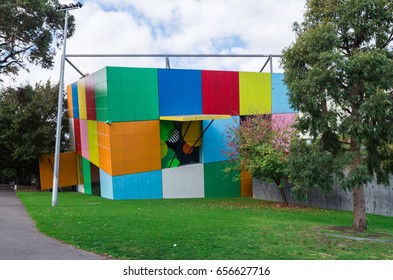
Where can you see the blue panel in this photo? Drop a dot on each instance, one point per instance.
(180, 92)
(106, 185)
(215, 144)
(119, 187)
(132, 186)
(150, 184)
(75, 102)
(280, 99)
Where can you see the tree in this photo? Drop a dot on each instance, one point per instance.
(29, 32)
(260, 145)
(339, 72)
(27, 129)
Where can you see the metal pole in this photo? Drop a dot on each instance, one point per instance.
(59, 117)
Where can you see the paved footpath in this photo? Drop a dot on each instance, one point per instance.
(20, 240)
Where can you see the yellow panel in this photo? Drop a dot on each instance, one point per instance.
(246, 184)
(185, 118)
(255, 93)
(69, 102)
(67, 170)
(93, 142)
(82, 99)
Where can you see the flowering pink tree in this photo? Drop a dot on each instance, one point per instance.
(260, 144)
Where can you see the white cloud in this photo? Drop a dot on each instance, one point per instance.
(176, 26)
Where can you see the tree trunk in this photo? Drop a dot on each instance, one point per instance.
(359, 210)
(283, 195)
(282, 191)
(359, 205)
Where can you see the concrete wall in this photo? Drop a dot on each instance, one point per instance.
(379, 199)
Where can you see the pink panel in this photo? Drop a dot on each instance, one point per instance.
(84, 139)
(283, 121)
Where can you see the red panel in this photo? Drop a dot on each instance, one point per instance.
(77, 131)
(90, 98)
(220, 92)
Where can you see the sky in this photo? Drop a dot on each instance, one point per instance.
(174, 27)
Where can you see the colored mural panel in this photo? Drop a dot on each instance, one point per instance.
(69, 101)
(67, 171)
(90, 98)
(145, 185)
(132, 94)
(101, 95)
(255, 93)
(104, 147)
(215, 142)
(129, 147)
(77, 131)
(180, 143)
(183, 182)
(72, 133)
(84, 139)
(246, 184)
(219, 184)
(106, 185)
(75, 103)
(86, 176)
(93, 142)
(280, 100)
(82, 99)
(180, 92)
(220, 92)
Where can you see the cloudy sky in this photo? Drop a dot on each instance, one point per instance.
(176, 27)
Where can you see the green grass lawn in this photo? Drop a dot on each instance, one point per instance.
(236, 228)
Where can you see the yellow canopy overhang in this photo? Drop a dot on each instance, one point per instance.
(187, 118)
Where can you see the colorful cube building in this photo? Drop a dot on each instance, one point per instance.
(143, 133)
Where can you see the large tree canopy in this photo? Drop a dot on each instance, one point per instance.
(27, 129)
(339, 72)
(30, 30)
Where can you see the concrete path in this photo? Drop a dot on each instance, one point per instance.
(20, 240)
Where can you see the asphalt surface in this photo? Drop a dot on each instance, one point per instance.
(20, 240)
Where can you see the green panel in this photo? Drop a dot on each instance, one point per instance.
(86, 175)
(218, 183)
(113, 74)
(128, 94)
(114, 88)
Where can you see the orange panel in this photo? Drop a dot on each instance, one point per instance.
(155, 164)
(129, 128)
(246, 184)
(118, 168)
(116, 129)
(106, 166)
(131, 166)
(130, 141)
(67, 170)
(116, 141)
(129, 153)
(69, 102)
(117, 155)
(143, 165)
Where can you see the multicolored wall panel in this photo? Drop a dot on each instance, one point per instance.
(220, 92)
(126, 151)
(180, 92)
(255, 93)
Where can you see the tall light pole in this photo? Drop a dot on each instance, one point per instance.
(64, 8)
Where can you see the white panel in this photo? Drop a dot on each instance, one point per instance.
(183, 182)
(81, 188)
